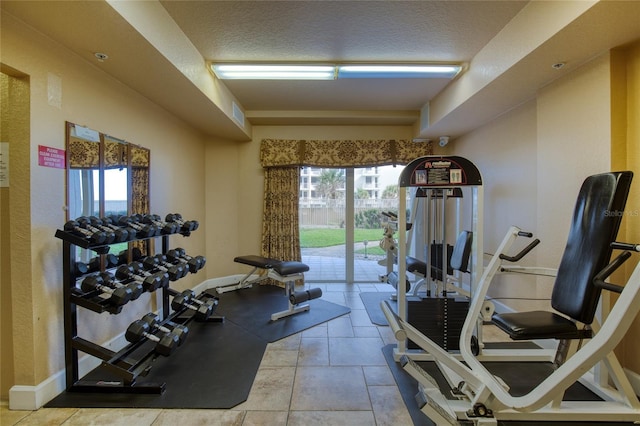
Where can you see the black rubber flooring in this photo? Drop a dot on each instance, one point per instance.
(217, 364)
(251, 308)
(510, 372)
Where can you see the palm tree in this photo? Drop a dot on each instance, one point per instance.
(391, 191)
(329, 182)
(361, 194)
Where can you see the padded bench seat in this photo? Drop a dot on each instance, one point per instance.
(283, 268)
(538, 325)
(286, 272)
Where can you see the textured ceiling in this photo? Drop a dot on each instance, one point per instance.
(160, 49)
(340, 31)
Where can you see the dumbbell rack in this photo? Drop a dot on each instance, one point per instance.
(133, 360)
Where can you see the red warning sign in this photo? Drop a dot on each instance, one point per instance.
(51, 157)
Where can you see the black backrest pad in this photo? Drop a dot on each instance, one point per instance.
(462, 251)
(596, 219)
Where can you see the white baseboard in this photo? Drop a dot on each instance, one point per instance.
(34, 397)
(223, 281)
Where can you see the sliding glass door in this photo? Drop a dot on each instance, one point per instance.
(341, 221)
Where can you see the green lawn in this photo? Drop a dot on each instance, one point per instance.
(326, 237)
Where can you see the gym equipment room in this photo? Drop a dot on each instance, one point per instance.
(238, 212)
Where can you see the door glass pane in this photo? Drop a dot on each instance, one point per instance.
(322, 223)
(375, 191)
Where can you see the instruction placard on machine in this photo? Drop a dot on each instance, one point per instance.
(438, 173)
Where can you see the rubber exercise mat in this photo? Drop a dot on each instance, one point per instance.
(511, 372)
(251, 309)
(214, 368)
(371, 302)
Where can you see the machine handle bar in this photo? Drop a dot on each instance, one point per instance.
(625, 246)
(390, 215)
(525, 234)
(598, 280)
(522, 253)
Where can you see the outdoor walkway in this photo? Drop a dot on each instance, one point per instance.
(327, 264)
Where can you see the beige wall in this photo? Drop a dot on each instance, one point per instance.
(505, 153)
(91, 98)
(14, 209)
(534, 159)
(625, 154)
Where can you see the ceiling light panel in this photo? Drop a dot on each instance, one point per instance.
(274, 72)
(398, 71)
(332, 72)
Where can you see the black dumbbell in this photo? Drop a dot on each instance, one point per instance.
(153, 263)
(193, 263)
(164, 227)
(123, 256)
(112, 222)
(93, 237)
(142, 230)
(87, 268)
(185, 226)
(120, 234)
(82, 268)
(138, 330)
(182, 269)
(110, 260)
(181, 331)
(150, 283)
(139, 269)
(138, 220)
(85, 223)
(117, 296)
(203, 309)
(111, 281)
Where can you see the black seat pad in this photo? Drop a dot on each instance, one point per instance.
(281, 267)
(416, 266)
(290, 267)
(257, 261)
(538, 325)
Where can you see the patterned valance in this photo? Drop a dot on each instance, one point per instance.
(340, 153)
(83, 154)
(139, 156)
(115, 154)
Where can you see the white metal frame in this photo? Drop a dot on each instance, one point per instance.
(482, 390)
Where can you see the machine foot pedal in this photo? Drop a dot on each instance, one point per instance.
(430, 403)
(418, 373)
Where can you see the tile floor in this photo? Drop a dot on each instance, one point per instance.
(332, 374)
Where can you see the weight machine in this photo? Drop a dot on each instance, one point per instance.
(438, 178)
(479, 397)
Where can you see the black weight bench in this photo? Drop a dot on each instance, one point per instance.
(286, 272)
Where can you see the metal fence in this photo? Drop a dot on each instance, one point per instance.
(334, 215)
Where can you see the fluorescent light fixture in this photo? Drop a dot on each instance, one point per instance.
(274, 72)
(332, 72)
(397, 71)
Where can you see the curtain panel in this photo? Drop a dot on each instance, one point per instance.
(340, 153)
(280, 230)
